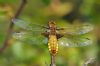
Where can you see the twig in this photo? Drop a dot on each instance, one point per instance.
(10, 29)
(89, 61)
(52, 60)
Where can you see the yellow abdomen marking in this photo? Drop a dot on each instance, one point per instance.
(52, 44)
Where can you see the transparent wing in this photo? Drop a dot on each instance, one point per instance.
(29, 38)
(76, 29)
(28, 25)
(75, 41)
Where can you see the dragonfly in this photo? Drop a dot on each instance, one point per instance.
(69, 36)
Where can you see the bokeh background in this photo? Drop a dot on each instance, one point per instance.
(20, 53)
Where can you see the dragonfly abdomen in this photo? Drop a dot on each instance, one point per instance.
(52, 44)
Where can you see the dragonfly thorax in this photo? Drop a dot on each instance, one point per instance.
(52, 27)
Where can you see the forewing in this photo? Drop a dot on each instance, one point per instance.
(28, 25)
(75, 41)
(76, 29)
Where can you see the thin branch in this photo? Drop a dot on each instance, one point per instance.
(52, 60)
(10, 29)
(89, 61)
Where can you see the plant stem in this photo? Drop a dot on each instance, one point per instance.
(10, 29)
(52, 60)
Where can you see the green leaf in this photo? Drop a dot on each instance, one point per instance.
(46, 2)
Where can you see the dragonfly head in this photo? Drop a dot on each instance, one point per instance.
(52, 23)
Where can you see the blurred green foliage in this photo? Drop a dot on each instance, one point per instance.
(40, 12)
